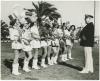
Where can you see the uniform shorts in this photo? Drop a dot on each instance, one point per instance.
(55, 42)
(68, 42)
(49, 42)
(35, 44)
(27, 48)
(43, 43)
(16, 45)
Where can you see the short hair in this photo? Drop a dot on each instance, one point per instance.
(71, 27)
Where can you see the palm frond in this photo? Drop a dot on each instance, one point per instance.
(48, 11)
(30, 10)
(44, 10)
(54, 15)
(47, 4)
(36, 6)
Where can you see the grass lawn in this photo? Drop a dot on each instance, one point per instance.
(63, 71)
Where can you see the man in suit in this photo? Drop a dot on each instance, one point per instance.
(87, 41)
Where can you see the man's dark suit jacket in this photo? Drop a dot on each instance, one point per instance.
(87, 35)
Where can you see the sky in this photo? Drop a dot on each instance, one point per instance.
(72, 11)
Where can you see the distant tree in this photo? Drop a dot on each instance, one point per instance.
(4, 30)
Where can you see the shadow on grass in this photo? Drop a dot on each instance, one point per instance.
(8, 62)
(71, 66)
(29, 78)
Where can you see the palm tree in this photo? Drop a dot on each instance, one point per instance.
(44, 10)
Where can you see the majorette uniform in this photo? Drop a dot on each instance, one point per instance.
(44, 43)
(49, 42)
(68, 40)
(15, 37)
(16, 44)
(43, 35)
(49, 34)
(60, 32)
(26, 38)
(35, 43)
(55, 42)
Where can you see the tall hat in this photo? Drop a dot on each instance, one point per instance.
(28, 13)
(12, 22)
(11, 17)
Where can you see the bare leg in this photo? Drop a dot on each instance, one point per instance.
(69, 48)
(64, 56)
(48, 55)
(44, 57)
(28, 56)
(35, 59)
(16, 52)
(55, 55)
(45, 52)
(49, 51)
(36, 53)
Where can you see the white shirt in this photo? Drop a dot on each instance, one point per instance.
(66, 32)
(35, 31)
(60, 33)
(26, 34)
(13, 33)
(55, 32)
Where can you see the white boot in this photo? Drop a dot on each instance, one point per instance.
(65, 57)
(25, 67)
(15, 69)
(55, 60)
(43, 63)
(49, 61)
(34, 65)
(52, 62)
(69, 56)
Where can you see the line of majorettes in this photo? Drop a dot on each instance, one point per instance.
(55, 41)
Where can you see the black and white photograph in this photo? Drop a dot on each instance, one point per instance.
(50, 40)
